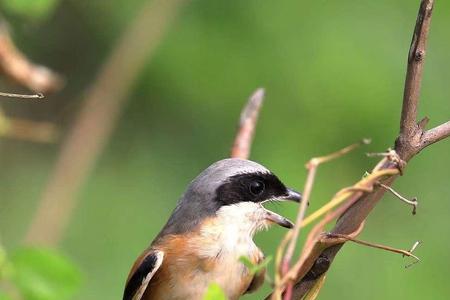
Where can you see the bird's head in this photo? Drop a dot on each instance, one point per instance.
(234, 190)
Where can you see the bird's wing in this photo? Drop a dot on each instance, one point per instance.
(141, 274)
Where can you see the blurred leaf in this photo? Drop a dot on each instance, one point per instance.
(2, 257)
(5, 265)
(215, 292)
(43, 274)
(252, 267)
(34, 9)
(4, 296)
(246, 261)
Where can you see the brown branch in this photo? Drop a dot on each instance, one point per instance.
(436, 134)
(413, 79)
(312, 166)
(95, 122)
(320, 227)
(412, 140)
(247, 124)
(16, 66)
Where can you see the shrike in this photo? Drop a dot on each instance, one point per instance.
(210, 229)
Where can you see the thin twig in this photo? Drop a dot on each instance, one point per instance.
(412, 202)
(96, 121)
(340, 197)
(351, 195)
(319, 227)
(411, 141)
(312, 166)
(414, 246)
(300, 269)
(22, 96)
(377, 246)
(247, 124)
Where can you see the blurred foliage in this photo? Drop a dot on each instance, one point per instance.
(333, 72)
(214, 292)
(39, 274)
(35, 9)
(4, 296)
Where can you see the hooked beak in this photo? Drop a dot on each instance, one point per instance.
(292, 195)
(280, 220)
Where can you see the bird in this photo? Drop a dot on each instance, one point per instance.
(208, 232)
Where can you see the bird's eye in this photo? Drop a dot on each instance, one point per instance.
(256, 187)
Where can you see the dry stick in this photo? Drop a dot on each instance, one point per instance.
(364, 185)
(247, 124)
(101, 109)
(412, 202)
(377, 246)
(22, 96)
(312, 166)
(412, 140)
(17, 67)
(321, 244)
(319, 227)
(299, 268)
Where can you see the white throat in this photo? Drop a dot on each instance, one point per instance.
(233, 229)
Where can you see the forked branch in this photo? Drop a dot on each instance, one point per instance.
(412, 139)
(308, 273)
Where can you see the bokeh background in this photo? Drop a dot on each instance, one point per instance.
(333, 73)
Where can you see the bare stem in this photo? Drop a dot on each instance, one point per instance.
(96, 120)
(377, 246)
(436, 134)
(412, 202)
(416, 59)
(312, 166)
(247, 124)
(412, 139)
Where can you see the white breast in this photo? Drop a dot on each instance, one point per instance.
(231, 235)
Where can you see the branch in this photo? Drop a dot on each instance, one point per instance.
(292, 236)
(416, 59)
(17, 67)
(412, 139)
(436, 134)
(247, 124)
(95, 122)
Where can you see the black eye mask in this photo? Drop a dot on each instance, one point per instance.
(253, 187)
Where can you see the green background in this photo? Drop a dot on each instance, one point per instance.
(333, 72)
